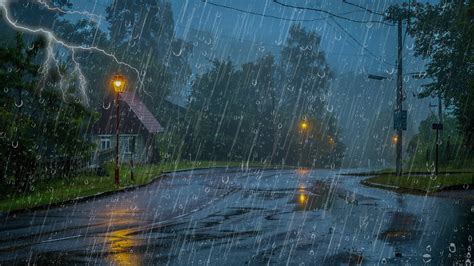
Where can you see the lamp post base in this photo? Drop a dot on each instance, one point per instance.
(117, 176)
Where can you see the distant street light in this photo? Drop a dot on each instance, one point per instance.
(304, 125)
(395, 139)
(118, 83)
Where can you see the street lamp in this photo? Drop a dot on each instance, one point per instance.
(118, 83)
(304, 125)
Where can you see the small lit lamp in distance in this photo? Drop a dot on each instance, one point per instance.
(304, 125)
(118, 83)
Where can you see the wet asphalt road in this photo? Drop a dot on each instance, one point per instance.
(234, 217)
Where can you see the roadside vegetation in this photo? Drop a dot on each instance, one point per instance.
(54, 191)
(423, 183)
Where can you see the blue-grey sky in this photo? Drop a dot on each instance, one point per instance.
(361, 47)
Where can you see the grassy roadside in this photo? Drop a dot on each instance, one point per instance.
(84, 185)
(423, 183)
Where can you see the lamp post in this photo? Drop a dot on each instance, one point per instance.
(118, 83)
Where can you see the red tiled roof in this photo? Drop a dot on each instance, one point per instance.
(140, 110)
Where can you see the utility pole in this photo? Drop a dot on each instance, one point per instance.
(399, 106)
(438, 126)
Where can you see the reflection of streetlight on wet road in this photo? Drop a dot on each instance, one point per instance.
(302, 197)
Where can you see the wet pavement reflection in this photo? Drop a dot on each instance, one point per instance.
(240, 217)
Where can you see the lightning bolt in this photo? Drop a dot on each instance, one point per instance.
(70, 12)
(53, 40)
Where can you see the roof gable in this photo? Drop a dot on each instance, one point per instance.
(141, 112)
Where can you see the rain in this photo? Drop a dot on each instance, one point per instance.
(238, 132)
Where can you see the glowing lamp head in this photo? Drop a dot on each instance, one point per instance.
(395, 139)
(118, 82)
(304, 125)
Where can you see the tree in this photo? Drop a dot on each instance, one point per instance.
(37, 122)
(444, 35)
(143, 33)
(304, 75)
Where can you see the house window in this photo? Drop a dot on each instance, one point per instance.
(126, 144)
(105, 143)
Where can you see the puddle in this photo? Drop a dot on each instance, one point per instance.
(403, 227)
(315, 197)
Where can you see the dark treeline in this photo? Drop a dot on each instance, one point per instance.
(255, 112)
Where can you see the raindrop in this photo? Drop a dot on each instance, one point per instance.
(178, 53)
(452, 247)
(106, 107)
(15, 144)
(280, 126)
(469, 238)
(5, 89)
(369, 25)
(207, 189)
(322, 75)
(390, 72)
(180, 206)
(254, 82)
(279, 42)
(19, 104)
(330, 108)
(261, 49)
(338, 37)
(225, 179)
(311, 252)
(426, 258)
(383, 261)
(428, 248)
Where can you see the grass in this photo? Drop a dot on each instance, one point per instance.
(423, 183)
(56, 191)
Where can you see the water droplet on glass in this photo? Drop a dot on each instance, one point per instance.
(426, 258)
(225, 179)
(452, 247)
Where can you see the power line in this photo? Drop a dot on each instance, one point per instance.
(264, 43)
(271, 16)
(360, 44)
(364, 8)
(333, 15)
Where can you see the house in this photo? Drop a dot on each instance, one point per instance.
(138, 128)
